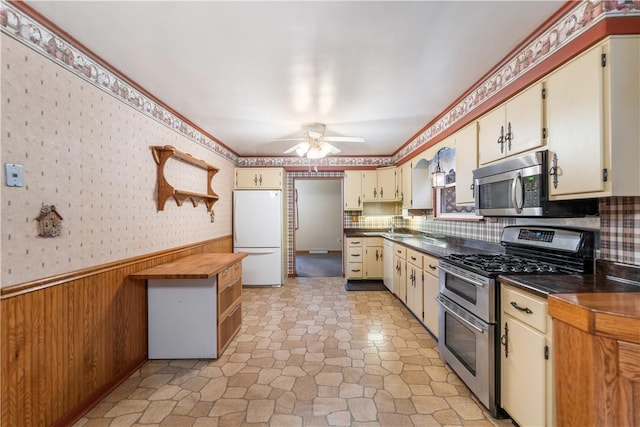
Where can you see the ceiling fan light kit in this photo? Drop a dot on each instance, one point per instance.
(314, 144)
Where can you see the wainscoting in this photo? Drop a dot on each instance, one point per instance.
(68, 340)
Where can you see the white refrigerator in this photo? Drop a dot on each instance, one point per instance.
(257, 231)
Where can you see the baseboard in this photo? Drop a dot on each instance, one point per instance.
(78, 412)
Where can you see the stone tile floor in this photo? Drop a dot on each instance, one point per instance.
(308, 354)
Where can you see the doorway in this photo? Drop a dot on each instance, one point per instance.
(317, 235)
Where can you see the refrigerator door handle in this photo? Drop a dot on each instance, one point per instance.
(235, 213)
(297, 212)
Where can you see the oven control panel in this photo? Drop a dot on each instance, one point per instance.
(536, 235)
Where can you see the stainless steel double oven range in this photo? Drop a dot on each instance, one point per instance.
(469, 297)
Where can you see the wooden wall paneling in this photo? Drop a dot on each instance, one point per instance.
(65, 346)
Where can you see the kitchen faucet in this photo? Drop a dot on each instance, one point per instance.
(393, 229)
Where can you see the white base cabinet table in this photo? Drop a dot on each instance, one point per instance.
(194, 305)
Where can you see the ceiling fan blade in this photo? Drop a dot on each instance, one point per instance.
(344, 138)
(288, 139)
(292, 149)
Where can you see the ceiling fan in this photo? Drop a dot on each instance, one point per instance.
(315, 144)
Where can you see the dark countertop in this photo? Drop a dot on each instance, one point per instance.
(543, 285)
(431, 244)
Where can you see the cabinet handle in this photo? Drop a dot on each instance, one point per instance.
(233, 312)
(504, 340)
(526, 310)
(255, 179)
(260, 180)
(355, 254)
(413, 258)
(377, 256)
(381, 192)
(501, 139)
(355, 243)
(375, 192)
(433, 267)
(230, 285)
(509, 136)
(359, 201)
(554, 170)
(355, 271)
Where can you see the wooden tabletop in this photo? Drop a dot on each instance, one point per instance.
(199, 266)
(615, 314)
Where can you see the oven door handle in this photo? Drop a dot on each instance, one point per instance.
(516, 185)
(456, 315)
(467, 279)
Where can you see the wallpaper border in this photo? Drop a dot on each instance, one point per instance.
(19, 25)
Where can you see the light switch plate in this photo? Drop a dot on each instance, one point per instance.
(14, 175)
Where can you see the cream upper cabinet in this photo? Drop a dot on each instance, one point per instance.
(369, 186)
(387, 189)
(513, 127)
(352, 190)
(259, 178)
(593, 119)
(466, 140)
(526, 367)
(406, 194)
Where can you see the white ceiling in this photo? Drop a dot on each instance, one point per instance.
(249, 73)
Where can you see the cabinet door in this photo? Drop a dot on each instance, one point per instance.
(523, 129)
(386, 184)
(373, 262)
(523, 373)
(246, 178)
(369, 186)
(406, 195)
(491, 131)
(400, 278)
(270, 178)
(414, 290)
(575, 125)
(430, 292)
(466, 141)
(352, 190)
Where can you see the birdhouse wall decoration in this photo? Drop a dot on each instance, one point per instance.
(49, 222)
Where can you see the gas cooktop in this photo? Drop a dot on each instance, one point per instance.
(502, 264)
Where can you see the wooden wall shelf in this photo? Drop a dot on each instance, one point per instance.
(166, 190)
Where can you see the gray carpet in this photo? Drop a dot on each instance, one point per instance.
(365, 285)
(319, 265)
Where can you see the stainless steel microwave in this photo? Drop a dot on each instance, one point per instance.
(519, 187)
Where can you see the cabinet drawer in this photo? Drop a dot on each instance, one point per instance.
(228, 295)
(354, 255)
(525, 307)
(415, 258)
(354, 270)
(229, 275)
(372, 241)
(430, 265)
(354, 243)
(400, 251)
(228, 326)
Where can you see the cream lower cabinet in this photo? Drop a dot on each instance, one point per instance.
(430, 292)
(593, 110)
(373, 260)
(355, 259)
(259, 178)
(526, 369)
(352, 190)
(400, 272)
(415, 278)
